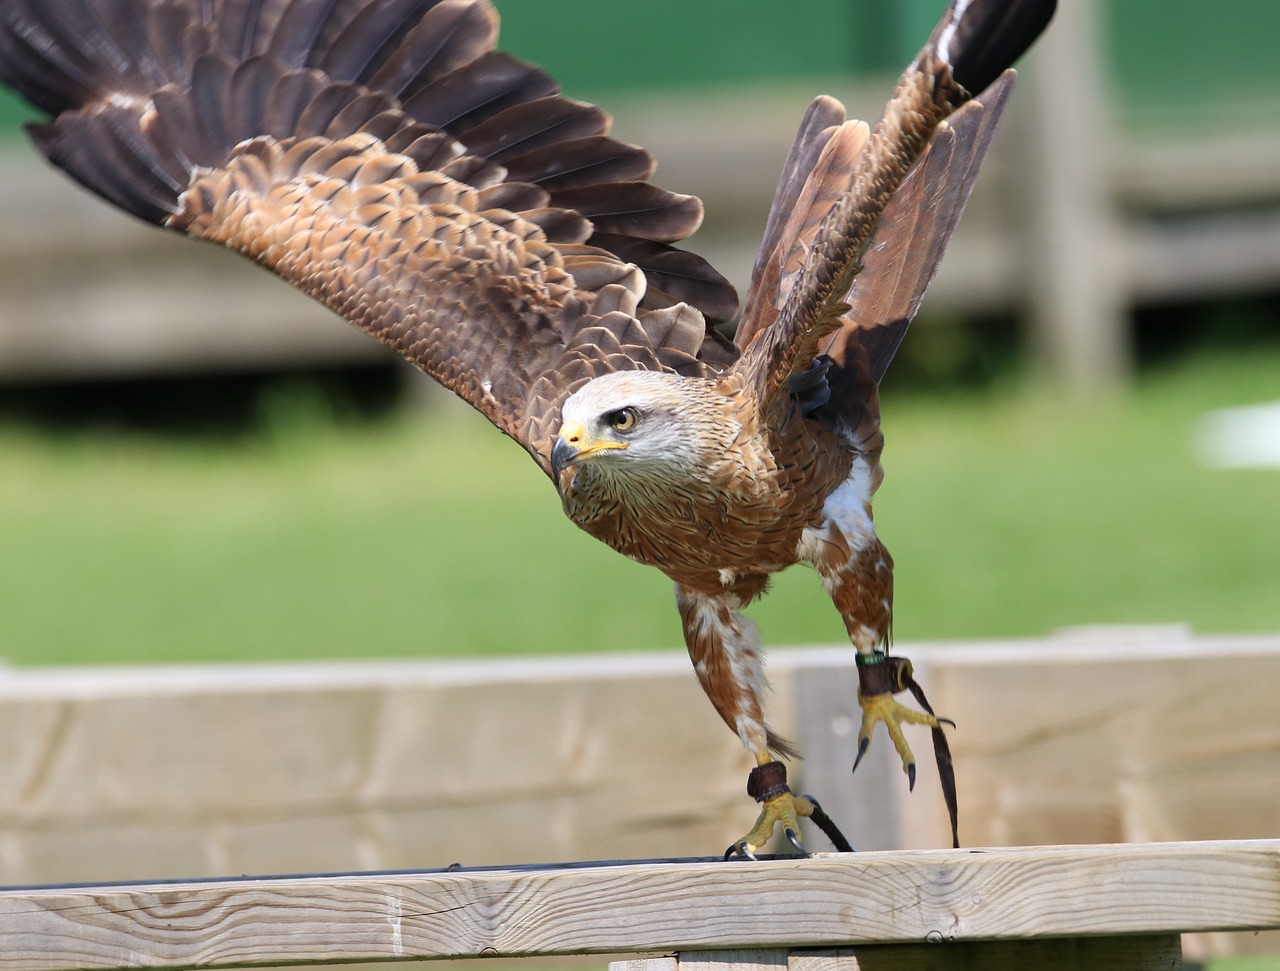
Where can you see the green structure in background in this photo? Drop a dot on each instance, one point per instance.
(12, 113)
(1181, 63)
(594, 48)
(1173, 62)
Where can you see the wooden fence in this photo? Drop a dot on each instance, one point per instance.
(1111, 736)
(1095, 907)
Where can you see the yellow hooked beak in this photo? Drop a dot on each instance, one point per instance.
(572, 445)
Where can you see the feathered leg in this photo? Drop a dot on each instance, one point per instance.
(725, 650)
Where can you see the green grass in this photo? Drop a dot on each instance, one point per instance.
(1009, 513)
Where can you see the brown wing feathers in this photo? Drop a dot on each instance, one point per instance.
(442, 195)
(917, 226)
(824, 115)
(790, 318)
(380, 156)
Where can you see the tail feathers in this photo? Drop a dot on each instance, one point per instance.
(981, 38)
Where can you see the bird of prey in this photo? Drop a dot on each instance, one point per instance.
(445, 198)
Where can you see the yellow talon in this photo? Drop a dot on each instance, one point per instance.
(767, 784)
(880, 677)
(785, 809)
(885, 709)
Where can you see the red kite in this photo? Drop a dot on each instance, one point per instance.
(443, 197)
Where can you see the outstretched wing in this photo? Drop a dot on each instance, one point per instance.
(839, 187)
(912, 238)
(918, 222)
(382, 157)
(901, 263)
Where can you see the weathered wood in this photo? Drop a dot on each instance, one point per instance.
(838, 900)
(125, 774)
(827, 722)
(1135, 953)
(1092, 736)
(137, 773)
(142, 773)
(1126, 742)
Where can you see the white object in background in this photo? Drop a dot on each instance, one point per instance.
(1239, 438)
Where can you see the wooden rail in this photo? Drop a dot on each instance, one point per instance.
(120, 774)
(1075, 903)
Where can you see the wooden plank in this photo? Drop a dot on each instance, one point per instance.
(1091, 736)
(1214, 252)
(1102, 740)
(139, 773)
(1179, 173)
(126, 774)
(870, 898)
(867, 805)
(1161, 952)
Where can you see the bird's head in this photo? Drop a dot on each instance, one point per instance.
(641, 427)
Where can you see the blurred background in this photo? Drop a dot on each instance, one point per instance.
(199, 465)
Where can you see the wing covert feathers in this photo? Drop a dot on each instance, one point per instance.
(382, 157)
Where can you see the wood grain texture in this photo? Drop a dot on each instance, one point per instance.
(872, 898)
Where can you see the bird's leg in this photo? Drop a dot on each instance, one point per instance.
(858, 574)
(767, 784)
(725, 651)
(880, 677)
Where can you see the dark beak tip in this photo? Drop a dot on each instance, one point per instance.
(563, 455)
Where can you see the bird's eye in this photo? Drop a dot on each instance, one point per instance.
(623, 420)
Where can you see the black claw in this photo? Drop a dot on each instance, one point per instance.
(911, 777)
(945, 721)
(739, 849)
(793, 838)
(863, 745)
